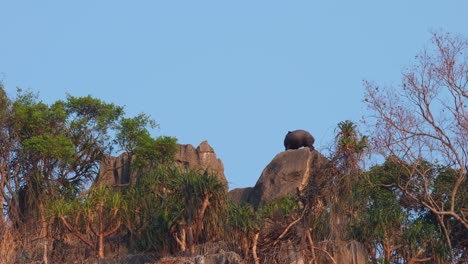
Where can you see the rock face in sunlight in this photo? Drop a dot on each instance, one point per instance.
(201, 159)
(287, 173)
(115, 171)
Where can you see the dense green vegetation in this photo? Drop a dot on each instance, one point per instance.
(410, 208)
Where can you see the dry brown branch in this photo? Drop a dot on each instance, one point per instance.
(326, 253)
(181, 238)
(8, 246)
(76, 232)
(312, 248)
(288, 227)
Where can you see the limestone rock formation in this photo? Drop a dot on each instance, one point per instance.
(116, 171)
(201, 159)
(287, 173)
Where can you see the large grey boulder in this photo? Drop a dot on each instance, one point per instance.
(288, 173)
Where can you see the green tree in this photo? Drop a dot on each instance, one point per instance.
(59, 145)
(380, 215)
(53, 151)
(391, 226)
(133, 137)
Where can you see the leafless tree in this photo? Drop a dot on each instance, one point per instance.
(423, 121)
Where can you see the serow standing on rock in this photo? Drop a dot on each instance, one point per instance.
(299, 138)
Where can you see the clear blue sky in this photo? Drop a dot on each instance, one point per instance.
(239, 74)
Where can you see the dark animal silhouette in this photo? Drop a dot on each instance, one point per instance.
(297, 139)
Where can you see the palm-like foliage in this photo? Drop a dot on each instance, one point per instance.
(174, 209)
(350, 144)
(203, 200)
(92, 219)
(154, 210)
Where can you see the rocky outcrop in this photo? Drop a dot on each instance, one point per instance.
(116, 171)
(292, 172)
(287, 173)
(201, 159)
(240, 195)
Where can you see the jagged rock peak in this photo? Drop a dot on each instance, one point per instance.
(205, 147)
(201, 159)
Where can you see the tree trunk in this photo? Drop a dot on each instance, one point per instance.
(189, 233)
(245, 246)
(101, 233)
(2, 190)
(254, 248)
(44, 232)
(198, 223)
(194, 227)
(2, 217)
(44, 257)
(387, 251)
(440, 219)
(372, 253)
(101, 247)
(312, 248)
(182, 238)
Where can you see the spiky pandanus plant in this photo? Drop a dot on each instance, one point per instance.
(153, 210)
(243, 224)
(203, 205)
(92, 219)
(350, 145)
